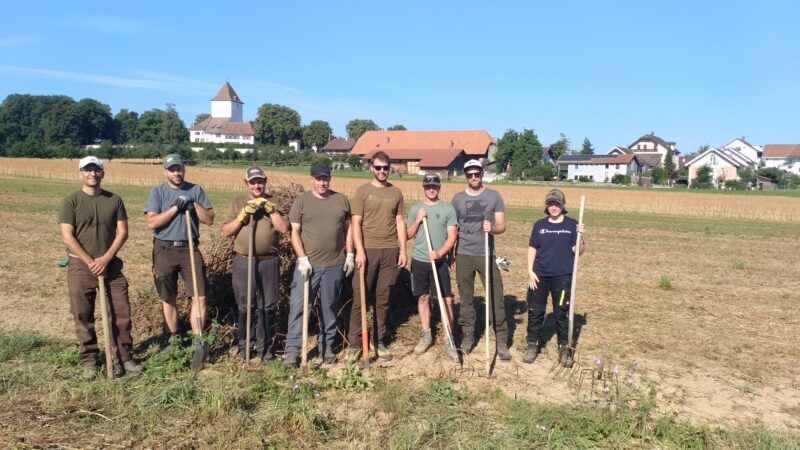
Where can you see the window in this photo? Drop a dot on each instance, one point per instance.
(713, 160)
(606, 166)
(617, 167)
(576, 167)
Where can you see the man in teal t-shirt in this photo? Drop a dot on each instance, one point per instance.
(443, 228)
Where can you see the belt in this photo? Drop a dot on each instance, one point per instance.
(259, 257)
(174, 243)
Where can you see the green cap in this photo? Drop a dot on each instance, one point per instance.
(173, 160)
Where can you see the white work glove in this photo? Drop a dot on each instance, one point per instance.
(502, 263)
(304, 267)
(349, 264)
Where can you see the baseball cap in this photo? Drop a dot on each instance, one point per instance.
(555, 195)
(473, 163)
(254, 172)
(432, 179)
(319, 170)
(173, 160)
(85, 161)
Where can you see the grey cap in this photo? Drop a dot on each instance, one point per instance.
(432, 179)
(555, 195)
(173, 159)
(473, 163)
(254, 172)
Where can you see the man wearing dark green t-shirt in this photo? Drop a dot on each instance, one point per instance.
(94, 226)
(254, 209)
(320, 238)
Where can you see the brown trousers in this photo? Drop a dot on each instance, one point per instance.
(379, 279)
(83, 291)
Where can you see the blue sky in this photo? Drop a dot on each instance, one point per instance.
(695, 72)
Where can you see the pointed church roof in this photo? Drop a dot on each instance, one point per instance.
(227, 94)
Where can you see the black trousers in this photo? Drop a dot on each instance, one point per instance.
(559, 289)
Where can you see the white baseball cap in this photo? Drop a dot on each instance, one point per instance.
(473, 163)
(85, 161)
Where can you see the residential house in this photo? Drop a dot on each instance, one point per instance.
(740, 145)
(725, 164)
(225, 126)
(617, 150)
(440, 151)
(650, 144)
(782, 156)
(338, 146)
(599, 168)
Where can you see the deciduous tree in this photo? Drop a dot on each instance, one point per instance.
(277, 124)
(317, 133)
(357, 127)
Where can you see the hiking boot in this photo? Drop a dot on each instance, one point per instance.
(467, 340)
(502, 351)
(531, 353)
(290, 362)
(89, 373)
(449, 351)
(131, 368)
(266, 357)
(565, 357)
(352, 355)
(425, 342)
(384, 354)
(328, 357)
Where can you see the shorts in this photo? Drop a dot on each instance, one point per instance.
(422, 278)
(168, 262)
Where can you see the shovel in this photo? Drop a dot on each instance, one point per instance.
(304, 351)
(201, 351)
(488, 285)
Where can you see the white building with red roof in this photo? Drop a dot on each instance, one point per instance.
(226, 124)
(598, 168)
(783, 156)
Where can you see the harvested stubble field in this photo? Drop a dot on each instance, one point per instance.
(697, 306)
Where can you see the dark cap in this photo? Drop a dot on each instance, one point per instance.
(254, 172)
(319, 170)
(432, 179)
(173, 160)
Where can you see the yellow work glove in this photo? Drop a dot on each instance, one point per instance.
(261, 202)
(244, 215)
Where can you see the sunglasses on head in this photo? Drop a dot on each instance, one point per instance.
(381, 168)
(431, 179)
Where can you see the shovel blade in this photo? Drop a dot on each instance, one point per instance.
(199, 357)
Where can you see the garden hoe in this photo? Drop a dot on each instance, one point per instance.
(101, 284)
(364, 332)
(442, 307)
(201, 350)
(568, 358)
(488, 288)
(250, 270)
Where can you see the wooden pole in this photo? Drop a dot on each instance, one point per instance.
(574, 277)
(107, 337)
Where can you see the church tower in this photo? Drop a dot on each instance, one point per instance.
(226, 104)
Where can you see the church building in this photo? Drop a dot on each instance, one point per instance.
(225, 126)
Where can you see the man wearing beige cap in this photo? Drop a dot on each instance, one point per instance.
(254, 209)
(94, 227)
(166, 206)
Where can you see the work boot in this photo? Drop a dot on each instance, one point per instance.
(531, 353)
(502, 351)
(290, 361)
(449, 351)
(89, 372)
(467, 340)
(266, 357)
(425, 342)
(131, 368)
(328, 357)
(384, 354)
(352, 355)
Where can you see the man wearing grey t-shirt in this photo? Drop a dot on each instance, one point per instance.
(166, 206)
(480, 210)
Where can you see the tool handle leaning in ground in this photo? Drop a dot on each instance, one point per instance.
(199, 357)
(364, 332)
(250, 269)
(107, 338)
(442, 307)
(304, 351)
(574, 277)
(488, 288)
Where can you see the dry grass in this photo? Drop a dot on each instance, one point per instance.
(659, 202)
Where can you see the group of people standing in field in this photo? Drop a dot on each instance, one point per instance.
(332, 237)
